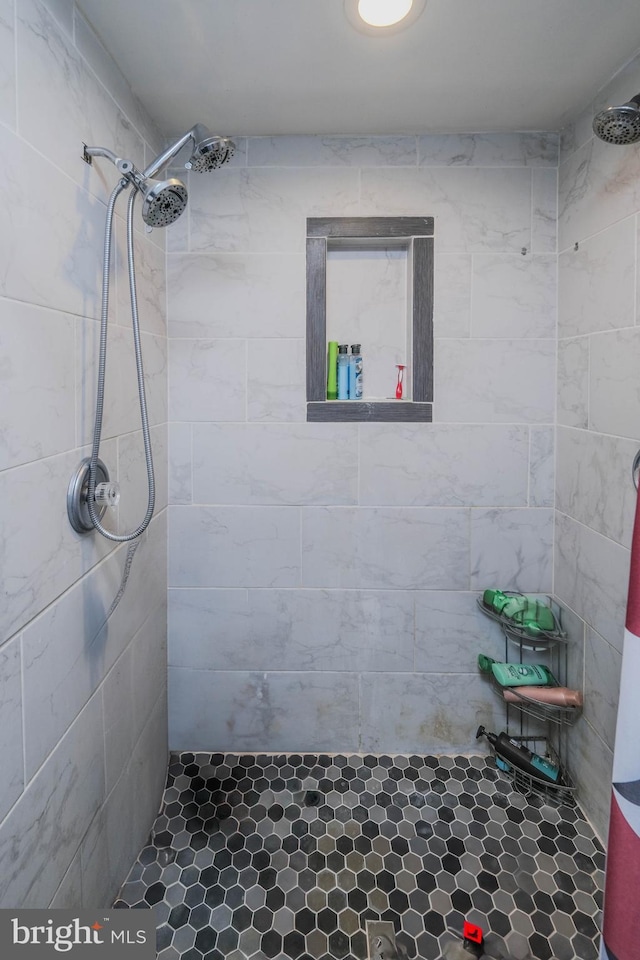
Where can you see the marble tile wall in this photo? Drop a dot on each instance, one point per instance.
(598, 419)
(83, 702)
(323, 577)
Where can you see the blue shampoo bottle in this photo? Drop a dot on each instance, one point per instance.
(343, 372)
(355, 373)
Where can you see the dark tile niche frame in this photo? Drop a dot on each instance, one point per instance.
(415, 234)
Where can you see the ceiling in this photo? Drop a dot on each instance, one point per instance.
(269, 67)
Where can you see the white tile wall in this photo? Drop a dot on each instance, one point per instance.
(275, 463)
(544, 217)
(243, 708)
(541, 467)
(319, 557)
(214, 629)
(598, 408)
(62, 104)
(494, 381)
(449, 625)
(45, 828)
(323, 578)
(446, 465)
(232, 295)
(276, 380)
(602, 678)
(208, 380)
(587, 463)
(264, 209)
(332, 151)
(591, 577)
(452, 296)
(7, 63)
(614, 392)
(71, 685)
(427, 711)
(596, 282)
(488, 150)
(11, 713)
(514, 296)
(512, 548)
(233, 546)
(37, 388)
(476, 210)
(573, 382)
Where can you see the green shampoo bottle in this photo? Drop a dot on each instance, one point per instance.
(517, 674)
(332, 370)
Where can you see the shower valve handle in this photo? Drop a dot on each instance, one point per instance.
(107, 494)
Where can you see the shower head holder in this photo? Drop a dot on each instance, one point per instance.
(162, 200)
(125, 167)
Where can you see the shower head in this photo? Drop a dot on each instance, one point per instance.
(210, 154)
(619, 125)
(164, 200)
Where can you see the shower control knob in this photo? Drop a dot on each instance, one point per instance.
(78, 495)
(107, 494)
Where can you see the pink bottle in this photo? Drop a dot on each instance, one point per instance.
(557, 696)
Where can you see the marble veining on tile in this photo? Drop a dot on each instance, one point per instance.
(488, 149)
(596, 282)
(7, 64)
(573, 382)
(314, 151)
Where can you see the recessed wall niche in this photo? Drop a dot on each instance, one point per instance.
(404, 246)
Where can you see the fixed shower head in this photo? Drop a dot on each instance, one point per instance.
(164, 200)
(619, 125)
(210, 154)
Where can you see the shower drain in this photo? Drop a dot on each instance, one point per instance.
(381, 940)
(312, 798)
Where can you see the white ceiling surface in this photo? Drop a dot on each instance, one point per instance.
(270, 67)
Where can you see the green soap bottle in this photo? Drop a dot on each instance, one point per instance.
(517, 674)
(332, 370)
(525, 612)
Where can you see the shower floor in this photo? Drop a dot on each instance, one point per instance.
(290, 855)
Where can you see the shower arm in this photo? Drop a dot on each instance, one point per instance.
(125, 167)
(197, 133)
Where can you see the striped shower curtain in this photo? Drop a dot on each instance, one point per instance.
(621, 926)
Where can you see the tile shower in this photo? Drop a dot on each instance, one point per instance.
(342, 562)
(322, 577)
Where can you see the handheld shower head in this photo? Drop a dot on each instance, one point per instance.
(164, 201)
(210, 153)
(619, 125)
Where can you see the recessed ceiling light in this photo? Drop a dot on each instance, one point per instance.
(383, 13)
(381, 17)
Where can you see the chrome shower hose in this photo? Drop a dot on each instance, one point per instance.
(97, 429)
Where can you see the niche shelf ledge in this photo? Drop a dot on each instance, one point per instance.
(360, 411)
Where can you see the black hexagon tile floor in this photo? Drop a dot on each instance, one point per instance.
(289, 856)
